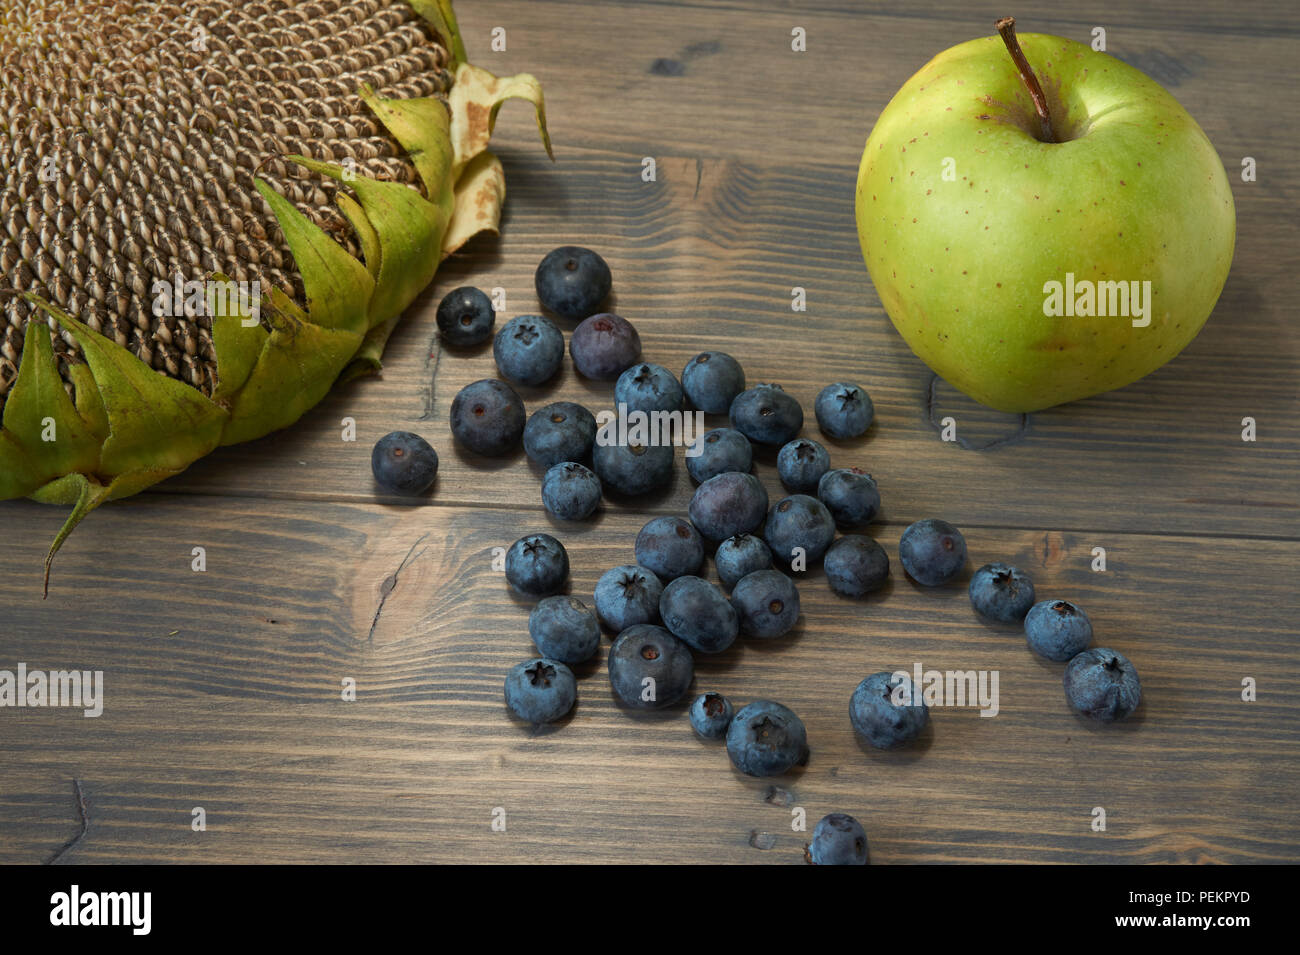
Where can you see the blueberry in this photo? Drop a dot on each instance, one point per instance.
(933, 552)
(739, 556)
(728, 504)
(540, 691)
(766, 739)
(850, 495)
(560, 431)
(855, 566)
(766, 415)
(564, 629)
(697, 613)
(633, 469)
(712, 379)
(888, 712)
(570, 491)
(839, 839)
(404, 462)
(572, 281)
(671, 547)
(1102, 684)
(767, 603)
(1057, 630)
(465, 316)
(718, 451)
(529, 349)
(801, 464)
(604, 346)
(537, 565)
(628, 595)
(844, 410)
(799, 521)
(649, 668)
(648, 388)
(711, 714)
(488, 417)
(1001, 593)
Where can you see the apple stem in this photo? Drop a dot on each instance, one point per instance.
(1007, 28)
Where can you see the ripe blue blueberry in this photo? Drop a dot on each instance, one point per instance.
(628, 595)
(739, 556)
(529, 349)
(844, 410)
(404, 462)
(718, 451)
(487, 417)
(671, 547)
(728, 504)
(604, 346)
(537, 565)
(564, 629)
(1102, 684)
(648, 388)
(855, 566)
(799, 525)
(712, 379)
(801, 464)
(697, 612)
(572, 281)
(766, 739)
(633, 469)
(767, 604)
(649, 668)
(710, 715)
(540, 691)
(766, 415)
(1057, 630)
(850, 495)
(888, 712)
(933, 552)
(570, 491)
(1001, 593)
(465, 316)
(560, 431)
(839, 839)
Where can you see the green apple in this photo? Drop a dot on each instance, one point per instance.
(1039, 243)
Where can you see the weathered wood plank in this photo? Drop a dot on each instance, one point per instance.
(1255, 18)
(714, 269)
(241, 715)
(727, 84)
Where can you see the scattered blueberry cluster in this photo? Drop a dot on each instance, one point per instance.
(661, 609)
(1100, 683)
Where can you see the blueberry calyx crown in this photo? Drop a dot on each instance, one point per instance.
(540, 674)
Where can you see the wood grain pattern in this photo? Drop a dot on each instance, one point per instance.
(239, 711)
(223, 686)
(699, 270)
(1253, 18)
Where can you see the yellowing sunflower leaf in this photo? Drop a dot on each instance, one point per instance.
(475, 99)
(480, 194)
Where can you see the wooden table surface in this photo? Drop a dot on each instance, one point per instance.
(223, 687)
